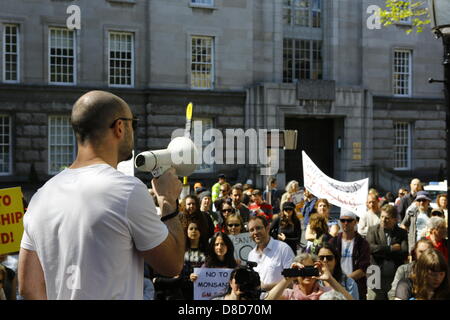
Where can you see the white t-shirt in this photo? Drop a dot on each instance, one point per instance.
(275, 257)
(347, 256)
(86, 226)
(421, 225)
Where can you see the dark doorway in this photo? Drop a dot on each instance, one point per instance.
(315, 137)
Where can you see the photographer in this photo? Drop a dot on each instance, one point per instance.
(309, 287)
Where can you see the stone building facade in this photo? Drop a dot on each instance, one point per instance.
(313, 66)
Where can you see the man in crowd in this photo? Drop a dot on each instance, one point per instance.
(259, 207)
(409, 198)
(238, 205)
(372, 216)
(389, 249)
(89, 229)
(272, 256)
(215, 190)
(275, 196)
(355, 251)
(416, 218)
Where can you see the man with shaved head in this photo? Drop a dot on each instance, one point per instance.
(90, 228)
(409, 198)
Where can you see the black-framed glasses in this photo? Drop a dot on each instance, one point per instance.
(328, 257)
(227, 210)
(134, 122)
(230, 225)
(347, 220)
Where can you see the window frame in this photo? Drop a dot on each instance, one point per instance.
(133, 58)
(408, 145)
(49, 144)
(410, 73)
(313, 64)
(74, 48)
(4, 53)
(10, 158)
(295, 7)
(212, 75)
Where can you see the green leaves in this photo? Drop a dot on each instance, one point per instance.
(410, 12)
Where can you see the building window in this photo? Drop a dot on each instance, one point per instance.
(303, 13)
(5, 145)
(203, 2)
(11, 53)
(61, 56)
(402, 146)
(121, 59)
(202, 62)
(61, 146)
(302, 59)
(402, 73)
(207, 123)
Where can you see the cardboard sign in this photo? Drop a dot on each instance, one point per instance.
(211, 282)
(348, 195)
(243, 244)
(11, 219)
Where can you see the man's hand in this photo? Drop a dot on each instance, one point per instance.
(167, 189)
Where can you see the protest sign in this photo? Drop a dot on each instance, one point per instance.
(211, 282)
(243, 244)
(11, 219)
(348, 195)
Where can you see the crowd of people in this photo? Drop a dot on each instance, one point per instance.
(403, 237)
(92, 232)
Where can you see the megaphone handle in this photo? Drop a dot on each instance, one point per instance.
(158, 172)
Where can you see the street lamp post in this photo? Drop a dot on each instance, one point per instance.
(440, 22)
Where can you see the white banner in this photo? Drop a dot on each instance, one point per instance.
(243, 244)
(211, 282)
(348, 195)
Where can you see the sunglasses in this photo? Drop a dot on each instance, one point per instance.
(227, 210)
(329, 258)
(422, 200)
(231, 225)
(134, 122)
(347, 220)
(437, 214)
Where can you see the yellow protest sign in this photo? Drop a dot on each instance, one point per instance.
(11, 219)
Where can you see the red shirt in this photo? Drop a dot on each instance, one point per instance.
(440, 246)
(262, 209)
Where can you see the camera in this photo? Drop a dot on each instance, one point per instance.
(309, 271)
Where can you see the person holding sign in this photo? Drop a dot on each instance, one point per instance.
(91, 215)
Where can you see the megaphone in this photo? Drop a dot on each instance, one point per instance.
(180, 155)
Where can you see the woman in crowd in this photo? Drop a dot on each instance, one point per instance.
(437, 231)
(235, 224)
(329, 255)
(220, 252)
(429, 280)
(316, 233)
(310, 288)
(225, 209)
(180, 287)
(194, 257)
(323, 207)
(405, 270)
(441, 202)
(190, 209)
(286, 227)
(291, 189)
